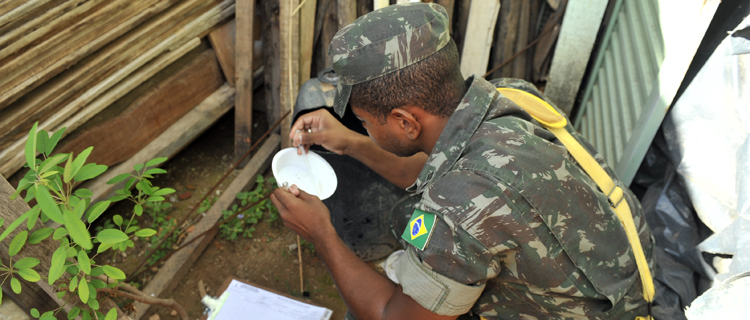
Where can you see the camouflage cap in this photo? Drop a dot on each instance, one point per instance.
(384, 41)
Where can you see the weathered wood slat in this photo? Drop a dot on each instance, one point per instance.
(46, 24)
(243, 106)
(271, 58)
(14, 154)
(7, 6)
(151, 114)
(223, 42)
(179, 263)
(33, 67)
(169, 142)
(21, 10)
(505, 37)
(478, 40)
(462, 21)
(306, 36)
(347, 12)
(519, 65)
(17, 118)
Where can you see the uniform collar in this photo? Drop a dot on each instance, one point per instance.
(465, 120)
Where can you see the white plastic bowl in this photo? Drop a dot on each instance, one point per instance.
(288, 167)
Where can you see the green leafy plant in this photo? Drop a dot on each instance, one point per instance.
(243, 224)
(161, 221)
(53, 181)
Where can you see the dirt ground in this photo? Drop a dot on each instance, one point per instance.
(265, 259)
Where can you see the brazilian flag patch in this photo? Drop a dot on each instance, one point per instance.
(419, 229)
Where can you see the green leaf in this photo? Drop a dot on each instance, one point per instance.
(60, 295)
(52, 143)
(94, 305)
(73, 313)
(138, 167)
(155, 171)
(15, 285)
(83, 193)
(68, 171)
(85, 315)
(31, 221)
(49, 315)
(79, 161)
(118, 178)
(92, 294)
(2, 221)
(111, 236)
(97, 271)
(26, 263)
(40, 235)
(164, 191)
(34, 312)
(90, 171)
(129, 184)
(83, 290)
(78, 210)
(96, 210)
(57, 266)
(145, 232)
(52, 161)
(48, 205)
(143, 186)
(73, 283)
(16, 223)
(98, 284)
(155, 199)
(77, 230)
(42, 139)
(113, 272)
(29, 275)
(84, 262)
(17, 244)
(30, 149)
(138, 209)
(156, 161)
(103, 247)
(132, 229)
(111, 315)
(59, 233)
(117, 219)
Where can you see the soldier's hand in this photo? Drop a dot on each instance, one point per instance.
(302, 212)
(321, 128)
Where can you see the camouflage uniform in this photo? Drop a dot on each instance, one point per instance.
(521, 232)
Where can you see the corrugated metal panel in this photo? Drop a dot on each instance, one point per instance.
(629, 65)
(634, 81)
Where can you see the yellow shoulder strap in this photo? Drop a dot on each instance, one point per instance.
(545, 114)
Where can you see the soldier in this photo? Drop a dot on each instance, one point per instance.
(507, 225)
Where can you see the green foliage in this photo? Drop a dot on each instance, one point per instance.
(243, 224)
(52, 181)
(161, 221)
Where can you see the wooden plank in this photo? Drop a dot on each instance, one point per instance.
(40, 294)
(151, 114)
(222, 40)
(243, 107)
(179, 263)
(169, 142)
(289, 31)
(519, 65)
(505, 37)
(464, 7)
(61, 90)
(326, 27)
(36, 65)
(364, 7)
(306, 29)
(580, 26)
(347, 12)
(21, 10)
(476, 50)
(8, 5)
(58, 18)
(14, 154)
(543, 48)
(272, 59)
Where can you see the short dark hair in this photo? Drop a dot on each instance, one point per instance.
(434, 84)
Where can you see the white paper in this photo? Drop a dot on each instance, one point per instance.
(244, 301)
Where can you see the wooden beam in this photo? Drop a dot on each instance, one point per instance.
(306, 37)
(179, 263)
(464, 7)
(14, 154)
(479, 32)
(17, 119)
(151, 114)
(347, 12)
(505, 37)
(326, 27)
(289, 32)
(272, 59)
(21, 10)
(169, 142)
(580, 26)
(364, 7)
(519, 65)
(243, 108)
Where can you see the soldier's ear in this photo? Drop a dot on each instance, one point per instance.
(407, 123)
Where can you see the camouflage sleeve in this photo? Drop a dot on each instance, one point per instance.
(450, 274)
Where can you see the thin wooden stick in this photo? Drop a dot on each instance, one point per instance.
(299, 257)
